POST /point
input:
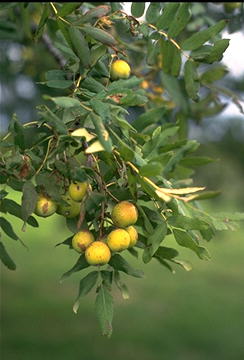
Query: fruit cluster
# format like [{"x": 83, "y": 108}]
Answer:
[
  {"x": 97, "y": 252},
  {"x": 125, "y": 236}
]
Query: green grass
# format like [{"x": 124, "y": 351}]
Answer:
[{"x": 195, "y": 315}]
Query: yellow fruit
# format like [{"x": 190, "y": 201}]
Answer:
[
  {"x": 124, "y": 214},
  {"x": 77, "y": 190},
  {"x": 97, "y": 253},
  {"x": 120, "y": 69},
  {"x": 158, "y": 89},
  {"x": 133, "y": 235},
  {"x": 144, "y": 84},
  {"x": 45, "y": 206},
  {"x": 118, "y": 240},
  {"x": 72, "y": 209},
  {"x": 82, "y": 240}
]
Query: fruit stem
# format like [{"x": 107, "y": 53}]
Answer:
[{"x": 46, "y": 156}]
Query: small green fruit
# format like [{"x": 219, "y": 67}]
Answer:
[{"x": 71, "y": 210}]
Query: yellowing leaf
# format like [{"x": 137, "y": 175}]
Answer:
[
  {"x": 83, "y": 132},
  {"x": 182, "y": 191},
  {"x": 95, "y": 147},
  {"x": 163, "y": 196},
  {"x": 166, "y": 194}
]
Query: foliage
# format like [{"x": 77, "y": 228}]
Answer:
[{"x": 85, "y": 134}]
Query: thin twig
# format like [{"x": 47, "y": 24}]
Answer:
[
  {"x": 164, "y": 34},
  {"x": 54, "y": 51}
]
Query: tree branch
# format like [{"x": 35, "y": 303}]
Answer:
[{"x": 54, "y": 51}]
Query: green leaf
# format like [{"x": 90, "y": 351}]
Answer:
[
  {"x": 119, "y": 85},
  {"x": 3, "y": 194},
  {"x": 187, "y": 223},
  {"x": 196, "y": 161},
  {"x": 202, "y": 53},
  {"x": 55, "y": 122},
  {"x": 217, "y": 51},
  {"x": 125, "y": 151},
  {"x": 154, "y": 241},
  {"x": 93, "y": 201},
  {"x": 191, "y": 80},
  {"x": 100, "y": 108},
  {"x": 99, "y": 35},
  {"x": 49, "y": 183},
  {"x": 153, "y": 12},
  {"x": 8, "y": 229},
  {"x": 133, "y": 252},
  {"x": 171, "y": 58},
  {"x": 167, "y": 253},
  {"x": 165, "y": 264},
  {"x": 7, "y": 5},
  {"x": 120, "y": 264},
  {"x": 137, "y": 9},
  {"x": 213, "y": 74},
  {"x": 152, "y": 52},
  {"x": 43, "y": 20},
  {"x": 58, "y": 84},
  {"x": 68, "y": 8},
  {"x": 19, "y": 137},
  {"x": 200, "y": 37},
  {"x": 92, "y": 85},
  {"x": 96, "y": 12},
  {"x": 64, "y": 101},
  {"x": 28, "y": 201},
  {"x": 79, "y": 45},
  {"x": 190, "y": 146},
  {"x": 185, "y": 240},
  {"x": 96, "y": 53},
  {"x": 132, "y": 183},
  {"x": 236, "y": 216},
  {"x": 172, "y": 85},
  {"x": 65, "y": 32},
  {"x": 79, "y": 265},
  {"x": 121, "y": 286},
  {"x": 133, "y": 98},
  {"x": 147, "y": 223},
  {"x": 167, "y": 16},
  {"x": 104, "y": 310},
  {"x": 101, "y": 132},
  {"x": 67, "y": 241},
  {"x": 180, "y": 20},
  {"x": 107, "y": 277},
  {"x": 149, "y": 117},
  {"x": 207, "y": 195},
  {"x": 55, "y": 75},
  {"x": 5, "y": 258},
  {"x": 13, "y": 208},
  {"x": 86, "y": 284},
  {"x": 124, "y": 124},
  {"x": 185, "y": 264},
  {"x": 151, "y": 169}
]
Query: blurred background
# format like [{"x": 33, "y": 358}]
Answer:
[{"x": 195, "y": 315}]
